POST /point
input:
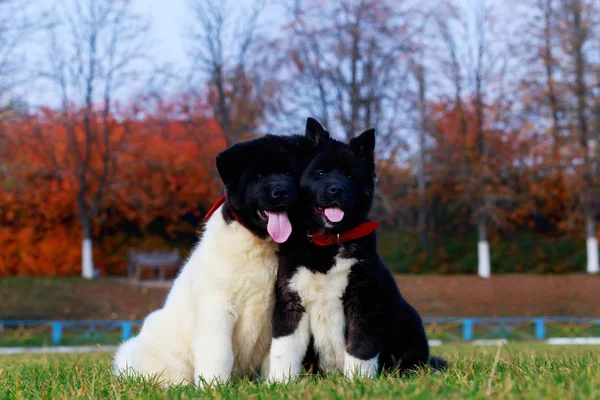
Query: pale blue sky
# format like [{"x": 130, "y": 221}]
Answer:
[
  {"x": 169, "y": 22},
  {"x": 169, "y": 38}
]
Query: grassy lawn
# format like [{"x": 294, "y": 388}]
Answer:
[
  {"x": 530, "y": 371},
  {"x": 43, "y": 339}
]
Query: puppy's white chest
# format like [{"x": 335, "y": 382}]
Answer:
[
  {"x": 321, "y": 296},
  {"x": 252, "y": 332}
]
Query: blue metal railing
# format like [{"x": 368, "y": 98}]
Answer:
[
  {"x": 447, "y": 329},
  {"x": 82, "y": 328},
  {"x": 523, "y": 328}
]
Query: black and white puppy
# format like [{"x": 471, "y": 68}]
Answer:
[
  {"x": 216, "y": 320},
  {"x": 338, "y": 306}
]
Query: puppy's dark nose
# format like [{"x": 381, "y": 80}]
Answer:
[
  {"x": 279, "y": 193},
  {"x": 336, "y": 189}
]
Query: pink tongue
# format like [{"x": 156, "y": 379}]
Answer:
[
  {"x": 334, "y": 214},
  {"x": 279, "y": 226}
]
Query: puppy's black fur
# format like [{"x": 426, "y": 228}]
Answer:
[
  {"x": 261, "y": 175},
  {"x": 379, "y": 321}
]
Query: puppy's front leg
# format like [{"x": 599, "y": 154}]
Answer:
[
  {"x": 213, "y": 352},
  {"x": 290, "y": 336},
  {"x": 363, "y": 344}
]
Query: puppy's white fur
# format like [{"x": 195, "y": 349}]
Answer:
[
  {"x": 357, "y": 368},
  {"x": 321, "y": 296},
  {"x": 287, "y": 353},
  {"x": 216, "y": 320}
]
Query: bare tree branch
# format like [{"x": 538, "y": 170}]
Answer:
[
  {"x": 96, "y": 48},
  {"x": 220, "y": 51}
]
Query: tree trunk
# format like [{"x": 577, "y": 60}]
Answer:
[
  {"x": 549, "y": 64},
  {"x": 579, "y": 38},
  {"x": 354, "y": 89},
  {"x": 222, "y": 108},
  {"x": 422, "y": 220},
  {"x": 87, "y": 260},
  {"x": 592, "y": 244},
  {"x": 484, "y": 269}
]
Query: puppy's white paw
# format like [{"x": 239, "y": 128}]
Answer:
[{"x": 357, "y": 368}]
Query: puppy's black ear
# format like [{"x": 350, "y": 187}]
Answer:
[
  {"x": 364, "y": 145},
  {"x": 231, "y": 163},
  {"x": 315, "y": 132}
]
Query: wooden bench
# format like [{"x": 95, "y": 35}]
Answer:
[{"x": 156, "y": 260}]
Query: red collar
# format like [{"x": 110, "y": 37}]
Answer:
[
  {"x": 325, "y": 239},
  {"x": 216, "y": 206}
]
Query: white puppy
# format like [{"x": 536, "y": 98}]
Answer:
[{"x": 216, "y": 320}]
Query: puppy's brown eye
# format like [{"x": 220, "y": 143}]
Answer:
[{"x": 321, "y": 173}]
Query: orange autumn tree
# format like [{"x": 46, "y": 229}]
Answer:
[
  {"x": 167, "y": 176},
  {"x": 504, "y": 173},
  {"x": 449, "y": 189},
  {"x": 38, "y": 201},
  {"x": 163, "y": 182}
]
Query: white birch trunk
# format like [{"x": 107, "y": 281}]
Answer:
[
  {"x": 483, "y": 259},
  {"x": 484, "y": 269},
  {"x": 592, "y": 245},
  {"x": 87, "y": 261}
]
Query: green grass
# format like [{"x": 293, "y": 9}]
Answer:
[
  {"x": 529, "y": 371},
  {"x": 42, "y": 339}
]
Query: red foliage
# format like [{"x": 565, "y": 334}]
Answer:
[
  {"x": 163, "y": 170},
  {"x": 518, "y": 178}
]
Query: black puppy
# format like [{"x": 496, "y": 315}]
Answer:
[
  {"x": 259, "y": 176},
  {"x": 337, "y": 305}
]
